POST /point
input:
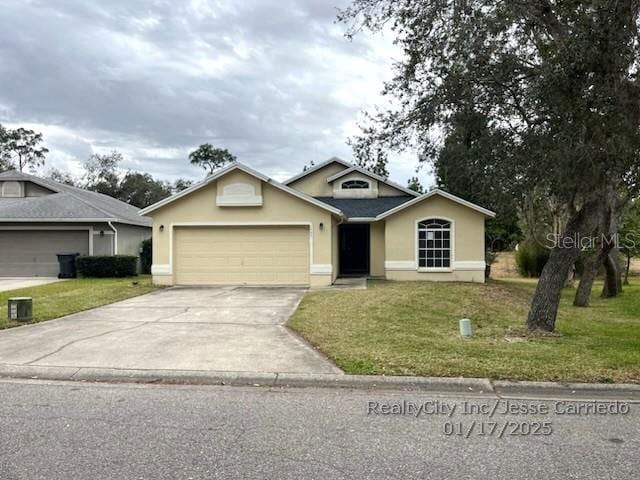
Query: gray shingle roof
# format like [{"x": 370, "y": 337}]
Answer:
[
  {"x": 67, "y": 203},
  {"x": 365, "y": 207}
]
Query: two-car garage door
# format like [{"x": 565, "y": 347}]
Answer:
[
  {"x": 32, "y": 253},
  {"x": 241, "y": 255}
]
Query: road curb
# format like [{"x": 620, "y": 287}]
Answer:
[
  {"x": 506, "y": 389},
  {"x": 434, "y": 384},
  {"x": 460, "y": 385}
]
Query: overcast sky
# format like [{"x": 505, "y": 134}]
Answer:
[{"x": 274, "y": 81}]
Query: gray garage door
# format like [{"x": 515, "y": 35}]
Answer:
[{"x": 32, "y": 253}]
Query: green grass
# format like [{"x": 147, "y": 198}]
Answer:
[
  {"x": 70, "y": 296},
  {"x": 411, "y": 328}
]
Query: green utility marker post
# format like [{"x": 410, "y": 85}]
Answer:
[{"x": 465, "y": 327}]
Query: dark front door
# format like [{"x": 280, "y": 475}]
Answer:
[{"x": 354, "y": 249}]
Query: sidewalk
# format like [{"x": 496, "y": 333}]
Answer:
[{"x": 462, "y": 386}]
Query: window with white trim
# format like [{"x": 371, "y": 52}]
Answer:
[
  {"x": 434, "y": 243},
  {"x": 350, "y": 184}
]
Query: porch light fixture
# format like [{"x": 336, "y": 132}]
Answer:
[
  {"x": 321, "y": 226},
  {"x": 161, "y": 228}
]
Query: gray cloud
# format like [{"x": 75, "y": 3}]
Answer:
[{"x": 274, "y": 81}]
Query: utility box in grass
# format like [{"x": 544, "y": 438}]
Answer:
[{"x": 20, "y": 309}]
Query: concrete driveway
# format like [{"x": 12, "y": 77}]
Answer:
[
  {"x": 220, "y": 329},
  {"x": 13, "y": 283}
]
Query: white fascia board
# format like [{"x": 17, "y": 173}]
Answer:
[
  {"x": 442, "y": 193},
  {"x": 74, "y": 220},
  {"x": 248, "y": 170},
  {"x": 360, "y": 219},
  {"x": 316, "y": 168},
  {"x": 342, "y": 173},
  {"x": 61, "y": 220},
  {"x": 369, "y": 174}
]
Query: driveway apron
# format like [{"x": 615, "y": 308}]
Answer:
[{"x": 239, "y": 329}]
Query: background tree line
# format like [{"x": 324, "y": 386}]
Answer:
[{"x": 22, "y": 149}]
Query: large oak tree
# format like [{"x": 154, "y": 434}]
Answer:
[
  {"x": 211, "y": 158},
  {"x": 558, "y": 80}
]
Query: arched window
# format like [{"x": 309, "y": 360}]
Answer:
[
  {"x": 349, "y": 184},
  {"x": 434, "y": 243}
]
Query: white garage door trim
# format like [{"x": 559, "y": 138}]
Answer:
[
  {"x": 44, "y": 228},
  {"x": 167, "y": 269}
]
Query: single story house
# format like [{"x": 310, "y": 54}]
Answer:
[
  {"x": 40, "y": 218},
  {"x": 335, "y": 219}
]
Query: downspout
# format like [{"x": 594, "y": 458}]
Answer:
[{"x": 115, "y": 237}]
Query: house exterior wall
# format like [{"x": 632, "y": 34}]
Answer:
[
  {"x": 33, "y": 190},
  {"x": 46, "y": 239},
  {"x": 468, "y": 242},
  {"x": 335, "y": 250},
  {"x": 385, "y": 190},
  {"x": 279, "y": 208},
  {"x": 130, "y": 238},
  {"x": 315, "y": 184},
  {"x": 103, "y": 240},
  {"x": 376, "y": 248}
]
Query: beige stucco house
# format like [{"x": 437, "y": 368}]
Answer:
[{"x": 335, "y": 219}]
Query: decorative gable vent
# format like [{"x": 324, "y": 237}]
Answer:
[
  {"x": 11, "y": 189},
  {"x": 239, "y": 195}
]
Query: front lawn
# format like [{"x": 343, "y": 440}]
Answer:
[
  {"x": 411, "y": 328},
  {"x": 70, "y": 296}
]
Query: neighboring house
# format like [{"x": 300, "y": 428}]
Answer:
[
  {"x": 40, "y": 218},
  {"x": 240, "y": 227}
]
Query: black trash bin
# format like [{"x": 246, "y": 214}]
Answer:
[{"x": 67, "y": 263}]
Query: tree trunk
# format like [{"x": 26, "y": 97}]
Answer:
[
  {"x": 607, "y": 232},
  {"x": 544, "y": 306},
  {"x": 626, "y": 271},
  {"x": 613, "y": 276},
  {"x": 591, "y": 266},
  {"x": 570, "y": 277}
]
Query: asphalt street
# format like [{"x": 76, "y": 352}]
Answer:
[{"x": 56, "y": 430}]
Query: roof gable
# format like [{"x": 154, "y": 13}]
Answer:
[
  {"x": 15, "y": 176},
  {"x": 317, "y": 167},
  {"x": 67, "y": 203},
  {"x": 349, "y": 168},
  {"x": 367, "y": 173},
  {"x": 442, "y": 193},
  {"x": 239, "y": 166}
]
